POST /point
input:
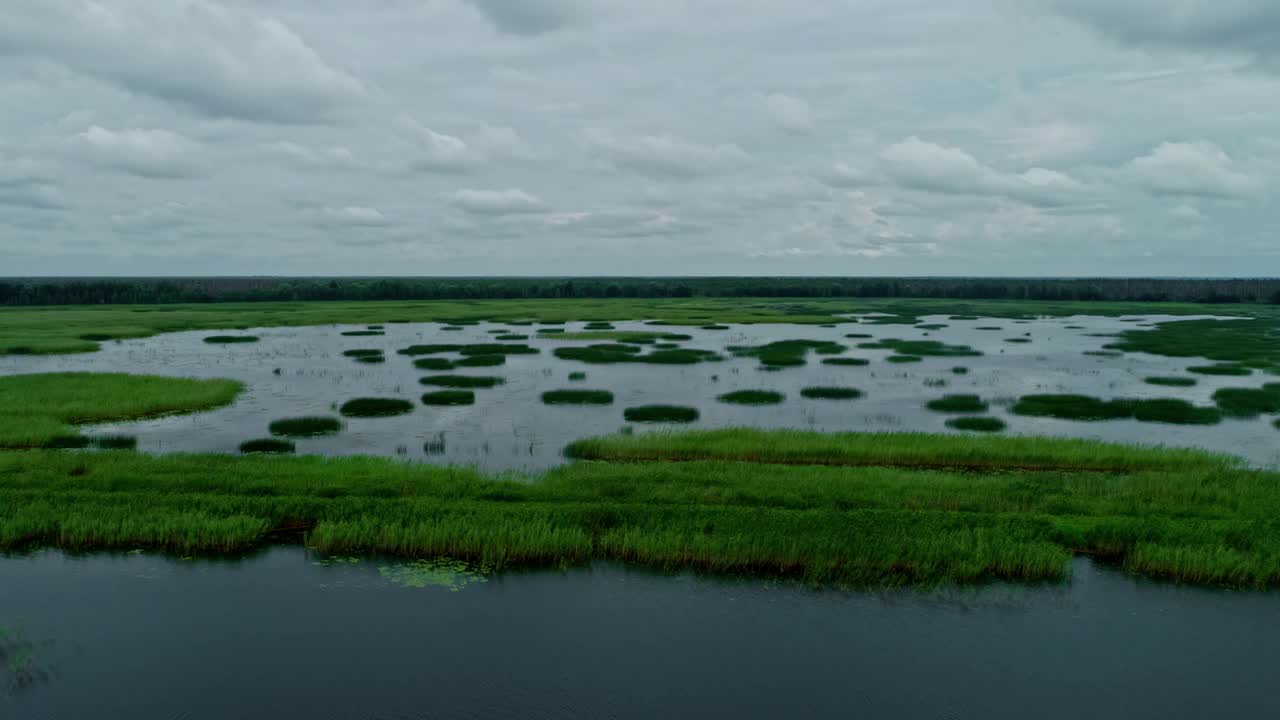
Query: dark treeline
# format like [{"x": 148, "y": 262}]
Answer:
[{"x": 98, "y": 291}]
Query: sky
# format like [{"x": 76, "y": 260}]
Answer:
[{"x": 616, "y": 137}]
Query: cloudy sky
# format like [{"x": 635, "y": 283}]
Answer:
[{"x": 667, "y": 137}]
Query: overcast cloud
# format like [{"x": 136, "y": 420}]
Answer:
[{"x": 434, "y": 137}]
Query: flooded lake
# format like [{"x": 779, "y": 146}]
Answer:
[
  {"x": 288, "y": 634},
  {"x": 302, "y": 371}
]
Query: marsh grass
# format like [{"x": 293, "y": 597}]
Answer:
[
  {"x": 977, "y": 424},
  {"x": 363, "y": 333},
  {"x": 362, "y": 352},
  {"x": 231, "y": 339},
  {"x": 449, "y": 397},
  {"x": 715, "y": 327},
  {"x": 577, "y": 397},
  {"x": 1248, "y": 402},
  {"x": 959, "y": 370},
  {"x": 921, "y": 348},
  {"x": 462, "y": 381},
  {"x": 958, "y": 404},
  {"x": 310, "y": 426},
  {"x": 823, "y": 392},
  {"x": 752, "y": 397},
  {"x": 507, "y": 337},
  {"x": 375, "y": 407},
  {"x": 661, "y": 414},
  {"x": 903, "y": 359},
  {"x": 1224, "y": 369},
  {"x": 497, "y": 349},
  {"x": 39, "y": 407},
  {"x": 1170, "y": 381},
  {"x": 846, "y": 361},
  {"x": 787, "y": 353},
  {"x": 577, "y": 376},
  {"x": 371, "y": 359},
  {"x": 605, "y": 354},
  {"x": 1018, "y": 340},
  {"x": 267, "y": 445},
  {"x": 1085, "y": 408}
]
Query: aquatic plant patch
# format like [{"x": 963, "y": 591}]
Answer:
[
  {"x": 661, "y": 414},
  {"x": 752, "y": 397},
  {"x": 976, "y": 424},
  {"x": 577, "y": 397},
  {"x": 375, "y": 407},
  {"x": 449, "y": 397},
  {"x": 310, "y": 426},
  {"x": 462, "y": 381}
]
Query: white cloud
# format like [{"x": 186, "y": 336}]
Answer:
[
  {"x": 921, "y": 165},
  {"x": 1198, "y": 168},
  {"x": 353, "y": 216},
  {"x": 313, "y": 158},
  {"x": 219, "y": 60},
  {"x": 496, "y": 202},
  {"x": 151, "y": 153},
  {"x": 666, "y": 156}
]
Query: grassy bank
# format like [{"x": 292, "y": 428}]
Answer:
[{"x": 876, "y": 526}]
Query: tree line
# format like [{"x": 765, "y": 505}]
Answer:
[{"x": 109, "y": 291}]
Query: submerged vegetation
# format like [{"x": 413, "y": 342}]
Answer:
[
  {"x": 375, "y": 407},
  {"x": 752, "y": 397},
  {"x": 661, "y": 414},
  {"x": 577, "y": 397}
]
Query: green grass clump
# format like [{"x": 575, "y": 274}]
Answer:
[
  {"x": 1248, "y": 341},
  {"x": 37, "y": 408},
  {"x": 230, "y": 339},
  {"x": 481, "y": 361},
  {"x": 846, "y": 361},
  {"x": 362, "y": 352},
  {"x": 507, "y": 337},
  {"x": 497, "y": 349},
  {"x": 914, "y": 450},
  {"x": 637, "y": 337},
  {"x": 598, "y": 326},
  {"x": 363, "y": 333},
  {"x": 931, "y": 326},
  {"x": 577, "y": 397},
  {"x": 830, "y": 393},
  {"x": 859, "y": 336},
  {"x": 661, "y": 414},
  {"x": 1172, "y": 381},
  {"x": 989, "y": 328},
  {"x": 715, "y": 327},
  {"x": 114, "y": 442},
  {"x": 959, "y": 370},
  {"x": 902, "y": 359},
  {"x": 310, "y": 426},
  {"x": 957, "y": 404},
  {"x": 267, "y": 445},
  {"x": 1226, "y": 369},
  {"x": 449, "y": 397},
  {"x": 375, "y": 407},
  {"x": 1082, "y": 407},
  {"x": 462, "y": 381},
  {"x": 577, "y": 376},
  {"x": 433, "y": 363},
  {"x": 752, "y": 397},
  {"x": 436, "y": 349},
  {"x": 922, "y": 348},
  {"x": 787, "y": 353},
  {"x": 977, "y": 423},
  {"x": 1103, "y": 353},
  {"x": 371, "y": 359},
  {"x": 1249, "y": 402}
]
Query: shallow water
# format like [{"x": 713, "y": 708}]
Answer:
[
  {"x": 283, "y": 635},
  {"x": 510, "y": 428}
]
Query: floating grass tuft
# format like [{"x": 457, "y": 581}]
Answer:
[
  {"x": 1018, "y": 340},
  {"x": 506, "y": 337},
  {"x": 310, "y": 426},
  {"x": 618, "y": 353},
  {"x": 462, "y": 381},
  {"x": 1227, "y": 369},
  {"x": 433, "y": 363},
  {"x": 449, "y": 397},
  {"x": 978, "y": 423},
  {"x": 661, "y": 414},
  {"x": 375, "y": 407},
  {"x": 822, "y": 392},
  {"x": 752, "y": 397},
  {"x": 715, "y": 327},
  {"x": 230, "y": 339},
  {"x": 577, "y": 397},
  {"x": 959, "y": 370},
  {"x": 577, "y": 376},
  {"x": 901, "y": 359},
  {"x": 787, "y": 353},
  {"x": 1083, "y": 407},
  {"x": 922, "y": 348},
  {"x": 371, "y": 359},
  {"x": 957, "y": 404},
  {"x": 363, "y": 333},
  {"x": 498, "y": 349},
  {"x": 1171, "y": 381},
  {"x": 362, "y": 352},
  {"x": 846, "y": 361},
  {"x": 268, "y": 445}
]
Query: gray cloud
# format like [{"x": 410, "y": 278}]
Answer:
[
  {"x": 666, "y": 156},
  {"x": 150, "y": 153},
  {"x": 496, "y": 202},
  {"x": 530, "y": 17}
]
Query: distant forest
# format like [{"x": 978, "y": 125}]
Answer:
[{"x": 100, "y": 291}]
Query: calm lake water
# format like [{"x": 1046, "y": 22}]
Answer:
[
  {"x": 286, "y": 635},
  {"x": 510, "y": 428}
]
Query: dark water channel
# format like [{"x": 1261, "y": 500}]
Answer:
[{"x": 285, "y": 634}]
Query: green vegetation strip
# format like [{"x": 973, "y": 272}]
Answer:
[
  {"x": 462, "y": 381},
  {"x": 830, "y": 393},
  {"x": 1171, "y": 381},
  {"x": 230, "y": 339},
  {"x": 787, "y": 353},
  {"x": 846, "y": 362},
  {"x": 375, "y": 407},
  {"x": 1083, "y": 407},
  {"x": 917, "y": 450},
  {"x": 752, "y": 397},
  {"x": 1249, "y": 402},
  {"x": 605, "y": 354},
  {"x": 661, "y": 414},
  {"x": 976, "y": 424},
  {"x": 921, "y": 348},
  {"x": 36, "y": 409},
  {"x": 1225, "y": 369},
  {"x": 577, "y": 397}
]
